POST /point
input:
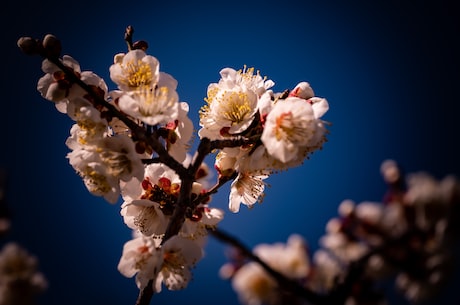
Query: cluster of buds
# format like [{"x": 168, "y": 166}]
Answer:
[
  {"x": 133, "y": 142},
  {"x": 408, "y": 237}
]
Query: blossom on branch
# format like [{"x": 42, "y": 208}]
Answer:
[
  {"x": 406, "y": 239},
  {"x": 169, "y": 264},
  {"x": 149, "y": 205},
  {"x": 104, "y": 163},
  {"x": 293, "y": 128},
  {"x": 143, "y": 95},
  {"x": 134, "y": 142},
  {"x": 286, "y": 129},
  {"x": 56, "y": 86},
  {"x": 231, "y": 103}
]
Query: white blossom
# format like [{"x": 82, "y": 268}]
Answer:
[
  {"x": 104, "y": 163},
  {"x": 140, "y": 257},
  {"x": 290, "y": 258},
  {"x": 180, "y": 255},
  {"x": 255, "y": 286},
  {"x": 134, "y": 70},
  {"x": 20, "y": 279},
  {"x": 145, "y": 93},
  {"x": 180, "y": 134},
  {"x": 145, "y": 216},
  {"x": 290, "y": 128},
  {"x": 247, "y": 189},
  {"x": 231, "y": 103},
  {"x": 56, "y": 86},
  {"x": 157, "y": 105}
]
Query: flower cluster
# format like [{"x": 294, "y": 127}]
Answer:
[
  {"x": 133, "y": 142},
  {"x": 20, "y": 280},
  {"x": 286, "y": 128},
  {"x": 407, "y": 237},
  {"x": 147, "y": 210}
]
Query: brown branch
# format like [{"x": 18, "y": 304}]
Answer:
[
  {"x": 145, "y": 295},
  {"x": 240, "y": 141},
  {"x": 129, "y": 37},
  {"x": 222, "y": 180},
  {"x": 138, "y": 131}
]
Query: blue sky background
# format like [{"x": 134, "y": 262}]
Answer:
[{"x": 388, "y": 69}]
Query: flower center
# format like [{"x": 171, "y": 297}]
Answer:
[
  {"x": 118, "y": 162},
  {"x": 164, "y": 192},
  {"x": 235, "y": 106},
  {"x": 291, "y": 129},
  {"x": 173, "y": 260},
  {"x": 95, "y": 181},
  {"x": 152, "y": 101},
  {"x": 137, "y": 73}
]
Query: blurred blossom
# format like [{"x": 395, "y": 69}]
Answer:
[
  {"x": 408, "y": 239},
  {"x": 255, "y": 286},
  {"x": 20, "y": 280}
]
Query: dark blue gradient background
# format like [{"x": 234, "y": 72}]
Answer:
[{"x": 389, "y": 70}]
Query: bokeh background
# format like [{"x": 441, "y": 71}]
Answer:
[{"x": 389, "y": 70}]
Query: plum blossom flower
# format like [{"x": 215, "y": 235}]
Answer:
[
  {"x": 180, "y": 255},
  {"x": 149, "y": 205},
  {"x": 247, "y": 188},
  {"x": 248, "y": 185},
  {"x": 89, "y": 127},
  {"x": 145, "y": 216},
  {"x": 196, "y": 227},
  {"x": 290, "y": 258},
  {"x": 104, "y": 163},
  {"x": 302, "y": 90},
  {"x": 145, "y": 93},
  {"x": 225, "y": 163},
  {"x": 134, "y": 69},
  {"x": 169, "y": 264},
  {"x": 151, "y": 105},
  {"x": 326, "y": 271},
  {"x": 245, "y": 78},
  {"x": 94, "y": 174},
  {"x": 20, "y": 279},
  {"x": 180, "y": 134},
  {"x": 255, "y": 286},
  {"x": 158, "y": 184},
  {"x": 293, "y": 127},
  {"x": 140, "y": 257},
  {"x": 56, "y": 86},
  {"x": 231, "y": 103}
]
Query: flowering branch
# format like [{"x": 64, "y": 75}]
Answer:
[{"x": 133, "y": 142}]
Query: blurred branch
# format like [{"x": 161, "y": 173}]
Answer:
[{"x": 5, "y": 213}]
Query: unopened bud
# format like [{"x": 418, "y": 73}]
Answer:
[
  {"x": 302, "y": 90},
  {"x": 346, "y": 208},
  {"x": 225, "y": 165},
  {"x": 390, "y": 171},
  {"x": 28, "y": 45},
  {"x": 141, "y": 44},
  {"x": 52, "y": 46}
]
